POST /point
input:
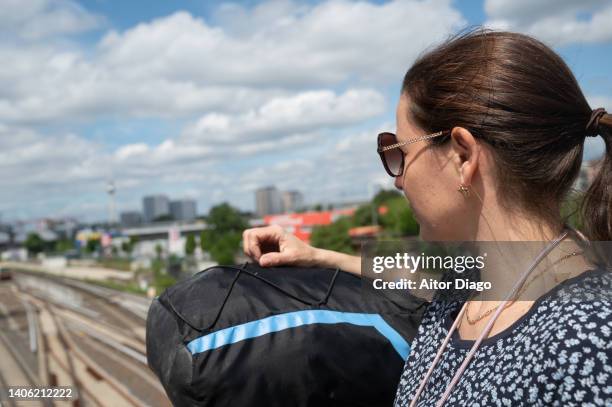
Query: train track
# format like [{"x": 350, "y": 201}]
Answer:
[
  {"x": 70, "y": 335},
  {"x": 14, "y": 371},
  {"x": 18, "y": 367}
]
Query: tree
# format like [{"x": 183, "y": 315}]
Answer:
[
  {"x": 385, "y": 195},
  {"x": 224, "y": 218},
  {"x": 92, "y": 245},
  {"x": 63, "y": 245},
  {"x": 190, "y": 245},
  {"x": 174, "y": 266},
  {"x": 363, "y": 215},
  {"x": 334, "y": 236},
  {"x": 224, "y": 249},
  {"x": 34, "y": 244},
  {"x": 161, "y": 279},
  {"x": 222, "y": 238},
  {"x": 399, "y": 220},
  {"x": 206, "y": 240}
]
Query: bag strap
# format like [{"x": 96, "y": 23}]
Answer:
[{"x": 243, "y": 270}]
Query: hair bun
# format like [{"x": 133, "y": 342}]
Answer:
[{"x": 592, "y": 127}]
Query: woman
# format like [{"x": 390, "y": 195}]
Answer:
[{"x": 490, "y": 136}]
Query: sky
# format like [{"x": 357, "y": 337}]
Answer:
[{"x": 210, "y": 100}]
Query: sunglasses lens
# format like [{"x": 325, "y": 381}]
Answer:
[{"x": 394, "y": 157}]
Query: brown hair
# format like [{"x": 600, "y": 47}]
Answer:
[{"x": 516, "y": 94}]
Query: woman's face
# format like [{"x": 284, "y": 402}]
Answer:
[{"x": 430, "y": 181}]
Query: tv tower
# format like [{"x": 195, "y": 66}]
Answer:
[{"x": 110, "y": 190}]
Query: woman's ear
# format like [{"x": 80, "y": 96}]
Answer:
[{"x": 465, "y": 150}]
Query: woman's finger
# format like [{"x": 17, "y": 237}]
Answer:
[
  {"x": 253, "y": 239},
  {"x": 254, "y": 248},
  {"x": 246, "y": 243},
  {"x": 274, "y": 259},
  {"x": 265, "y": 239}
]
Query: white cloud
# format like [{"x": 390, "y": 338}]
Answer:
[
  {"x": 166, "y": 153},
  {"x": 290, "y": 45},
  {"x": 30, "y": 159},
  {"x": 130, "y": 150},
  {"x": 41, "y": 84},
  {"x": 558, "y": 22},
  {"x": 39, "y": 19},
  {"x": 268, "y": 80},
  {"x": 287, "y": 115},
  {"x": 182, "y": 65},
  {"x": 344, "y": 169},
  {"x": 278, "y": 124}
]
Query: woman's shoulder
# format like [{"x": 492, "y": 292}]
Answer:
[
  {"x": 570, "y": 336},
  {"x": 576, "y": 313},
  {"x": 587, "y": 293},
  {"x": 589, "y": 285},
  {"x": 588, "y": 290}
]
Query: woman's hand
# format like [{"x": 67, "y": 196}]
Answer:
[{"x": 272, "y": 246}]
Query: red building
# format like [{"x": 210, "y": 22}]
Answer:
[{"x": 301, "y": 224}]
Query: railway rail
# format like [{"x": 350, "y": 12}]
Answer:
[{"x": 65, "y": 333}]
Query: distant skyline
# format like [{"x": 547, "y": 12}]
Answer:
[{"x": 212, "y": 100}]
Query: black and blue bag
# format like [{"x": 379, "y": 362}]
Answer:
[{"x": 281, "y": 336}]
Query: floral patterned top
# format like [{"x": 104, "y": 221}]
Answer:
[{"x": 558, "y": 354}]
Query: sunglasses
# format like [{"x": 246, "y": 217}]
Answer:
[{"x": 392, "y": 156}]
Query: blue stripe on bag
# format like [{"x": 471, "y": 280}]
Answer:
[{"x": 295, "y": 319}]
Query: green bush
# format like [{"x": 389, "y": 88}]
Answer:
[
  {"x": 115, "y": 263},
  {"x": 335, "y": 236},
  {"x": 190, "y": 245},
  {"x": 34, "y": 243},
  {"x": 163, "y": 281},
  {"x": 399, "y": 220},
  {"x": 224, "y": 233}
]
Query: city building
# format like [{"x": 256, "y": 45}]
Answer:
[
  {"x": 65, "y": 228},
  {"x": 184, "y": 209},
  {"x": 155, "y": 206},
  {"x": 49, "y": 230},
  {"x": 292, "y": 201},
  {"x": 268, "y": 201},
  {"x": 130, "y": 218},
  {"x": 6, "y": 237}
]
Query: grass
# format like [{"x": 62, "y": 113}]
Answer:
[{"x": 116, "y": 263}]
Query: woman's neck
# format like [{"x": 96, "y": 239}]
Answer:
[
  {"x": 503, "y": 227},
  {"x": 512, "y": 245}
]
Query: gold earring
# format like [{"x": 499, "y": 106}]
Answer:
[{"x": 464, "y": 189}]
